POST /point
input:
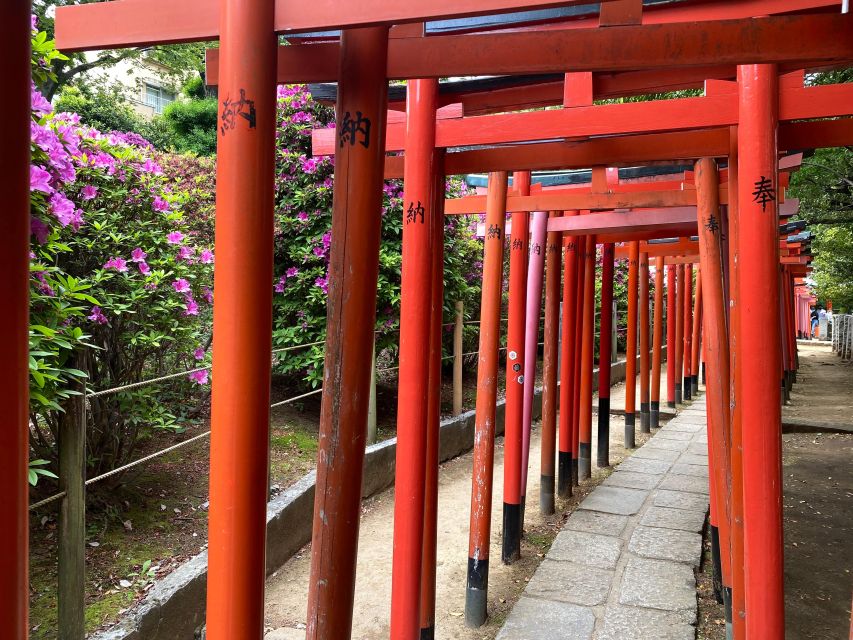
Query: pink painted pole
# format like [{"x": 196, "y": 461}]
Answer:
[{"x": 535, "y": 268}]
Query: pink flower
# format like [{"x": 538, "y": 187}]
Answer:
[
  {"x": 88, "y": 192},
  {"x": 279, "y": 286},
  {"x": 118, "y": 264},
  {"x": 302, "y": 216},
  {"x": 152, "y": 167},
  {"x": 176, "y": 237},
  {"x": 207, "y": 294},
  {"x": 159, "y": 204},
  {"x": 206, "y": 256},
  {"x": 98, "y": 316},
  {"x": 138, "y": 255},
  {"x": 191, "y": 307},
  {"x": 39, "y": 179},
  {"x": 76, "y": 219},
  {"x": 186, "y": 253},
  {"x": 292, "y": 272},
  {"x": 323, "y": 283},
  {"x": 181, "y": 285},
  {"x": 199, "y": 353},
  {"x": 199, "y": 377},
  {"x": 39, "y": 229},
  {"x": 40, "y": 105},
  {"x": 62, "y": 208},
  {"x": 144, "y": 269}
]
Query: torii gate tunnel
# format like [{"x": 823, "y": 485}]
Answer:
[{"x": 755, "y": 114}]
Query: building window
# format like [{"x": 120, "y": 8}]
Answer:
[{"x": 157, "y": 98}]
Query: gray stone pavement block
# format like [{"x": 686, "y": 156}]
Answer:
[
  {"x": 619, "y": 500},
  {"x": 682, "y": 426},
  {"x": 685, "y": 483},
  {"x": 669, "y": 445},
  {"x": 656, "y": 454},
  {"x": 591, "y": 549},
  {"x": 660, "y": 584},
  {"x": 700, "y": 438},
  {"x": 676, "y": 435},
  {"x": 632, "y": 480},
  {"x": 633, "y": 623},
  {"x": 680, "y": 500},
  {"x": 595, "y": 522},
  {"x": 570, "y": 582},
  {"x": 682, "y": 469},
  {"x": 533, "y": 619},
  {"x": 669, "y": 518},
  {"x": 644, "y": 465},
  {"x": 697, "y": 448},
  {"x": 692, "y": 419},
  {"x": 666, "y": 544},
  {"x": 693, "y": 458}
]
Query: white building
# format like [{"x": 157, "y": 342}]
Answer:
[{"x": 150, "y": 86}]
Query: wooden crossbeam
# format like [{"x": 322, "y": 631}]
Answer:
[
  {"x": 571, "y": 200},
  {"x": 810, "y": 39},
  {"x": 668, "y": 222},
  {"x": 825, "y": 101},
  {"x": 130, "y": 23},
  {"x": 682, "y": 247}
]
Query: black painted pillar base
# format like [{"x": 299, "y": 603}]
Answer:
[
  {"x": 428, "y": 633},
  {"x": 521, "y": 519},
  {"x": 546, "y": 495},
  {"x": 574, "y": 471},
  {"x": 686, "y": 388},
  {"x": 717, "y": 579},
  {"x": 654, "y": 415},
  {"x": 703, "y": 373},
  {"x": 585, "y": 461},
  {"x": 645, "y": 418},
  {"x": 669, "y": 404},
  {"x": 630, "y": 441},
  {"x": 564, "y": 474},
  {"x": 694, "y": 384},
  {"x": 476, "y": 593},
  {"x": 727, "y": 610},
  {"x": 603, "y": 453},
  {"x": 511, "y": 550},
  {"x": 678, "y": 399}
]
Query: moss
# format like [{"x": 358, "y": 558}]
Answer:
[
  {"x": 300, "y": 440},
  {"x": 107, "y": 608},
  {"x": 541, "y": 541}
]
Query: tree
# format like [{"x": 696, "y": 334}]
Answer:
[
  {"x": 192, "y": 122},
  {"x": 64, "y": 70}
]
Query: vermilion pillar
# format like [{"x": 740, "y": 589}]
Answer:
[
  {"x": 427, "y": 617},
  {"x": 567, "y": 368},
  {"x": 550, "y": 390},
  {"x": 686, "y": 388},
  {"x": 416, "y": 302},
  {"x": 645, "y": 418},
  {"x": 242, "y": 321},
  {"x": 697, "y": 333},
  {"x": 759, "y": 350},
  {"x": 671, "y": 313},
  {"x": 578, "y": 337},
  {"x": 605, "y": 347},
  {"x": 679, "y": 330},
  {"x": 535, "y": 268},
  {"x": 476, "y": 594},
  {"x": 717, "y": 362},
  {"x": 737, "y": 541},
  {"x": 515, "y": 383},
  {"x": 631, "y": 347},
  {"x": 351, "y": 315},
  {"x": 14, "y": 321},
  {"x": 657, "y": 345},
  {"x": 587, "y": 347}
]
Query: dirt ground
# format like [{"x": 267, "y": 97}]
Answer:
[{"x": 823, "y": 392}]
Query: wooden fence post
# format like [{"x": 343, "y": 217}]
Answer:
[
  {"x": 457, "y": 358},
  {"x": 371, "y": 406},
  {"x": 614, "y": 334},
  {"x": 72, "y": 517}
]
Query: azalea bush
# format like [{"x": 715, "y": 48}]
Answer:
[
  {"x": 303, "y": 240},
  {"x": 120, "y": 283}
]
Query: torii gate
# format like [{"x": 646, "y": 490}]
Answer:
[{"x": 247, "y": 79}]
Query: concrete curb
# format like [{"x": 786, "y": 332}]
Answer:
[{"x": 174, "y": 608}]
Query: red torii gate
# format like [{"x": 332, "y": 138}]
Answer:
[{"x": 240, "y": 396}]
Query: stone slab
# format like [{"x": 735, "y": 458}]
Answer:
[
  {"x": 666, "y": 544},
  {"x": 670, "y": 434},
  {"x": 668, "y": 518},
  {"x": 659, "y": 584},
  {"x": 596, "y": 522},
  {"x": 682, "y": 469},
  {"x": 697, "y": 449},
  {"x": 533, "y": 619},
  {"x": 657, "y": 454},
  {"x": 618, "y": 500},
  {"x": 680, "y": 500},
  {"x": 685, "y": 483},
  {"x": 669, "y": 445},
  {"x": 644, "y": 465},
  {"x": 570, "y": 582},
  {"x": 633, "y": 623},
  {"x": 632, "y": 480},
  {"x": 683, "y": 426},
  {"x": 591, "y": 549},
  {"x": 692, "y": 458}
]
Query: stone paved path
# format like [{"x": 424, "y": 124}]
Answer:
[{"x": 622, "y": 567}]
